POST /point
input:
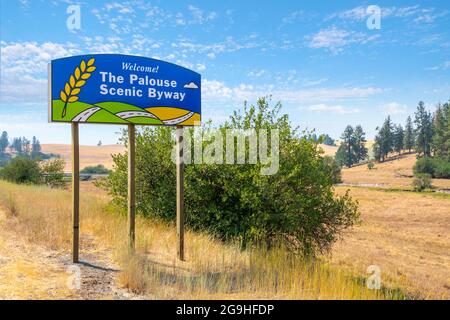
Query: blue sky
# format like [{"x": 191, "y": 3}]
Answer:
[{"x": 318, "y": 58}]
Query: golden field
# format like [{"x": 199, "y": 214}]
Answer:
[
  {"x": 406, "y": 234},
  {"x": 89, "y": 155},
  {"x": 213, "y": 270},
  {"x": 397, "y": 172}
]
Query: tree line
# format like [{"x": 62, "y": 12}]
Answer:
[
  {"x": 428, "y": 135},
  {"x": 21, "y": 145}
]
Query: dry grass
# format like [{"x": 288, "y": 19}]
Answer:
[
  {"x": 396, "y": 173},
  {"x": 212, "y": 271},
  {"x": 406, "y": 234},
  {"x": 89, "y": 155}
]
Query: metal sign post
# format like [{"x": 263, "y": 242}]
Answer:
[
  {"x": 180, "y": 194},
  {"x": 131, "y": 186},
  {"x": 75, "y": 192}
]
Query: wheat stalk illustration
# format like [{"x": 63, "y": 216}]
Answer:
[{"x": 78, "y": 79}]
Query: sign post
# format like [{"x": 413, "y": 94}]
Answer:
[
  {"x": 75, "y": 192},
  {"x": 124, "y": 90},
  {"x": 180, "y": 193},
  {"x": 131, "y": 186}
]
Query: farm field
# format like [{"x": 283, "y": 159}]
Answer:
[
  {"x": 89, "y": 155},
  {"x": 397, "y": 172}
]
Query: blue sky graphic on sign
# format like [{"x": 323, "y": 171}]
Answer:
[{"x": 121, "y": 89}]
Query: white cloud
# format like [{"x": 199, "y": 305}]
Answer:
[
  {"x": 214, "y": 90},
  {"x": 256, "y": 73},
  {"x": 392, "y": 108},
  {"x": 334, "y": 39},
  {"x": 443, "y": 66},
  {"x": 360, "y": 13},
  {"x": 332, "y": 109},
  {"x": 190, "y": 85},
  {"x": 23, "y": 68}
]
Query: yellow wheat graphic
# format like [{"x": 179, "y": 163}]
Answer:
[{"x": 78, "y": 79}]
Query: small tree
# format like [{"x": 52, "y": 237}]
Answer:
[
  {"x": 52, "y": 173},
  {"x": 422, "y": 181}
]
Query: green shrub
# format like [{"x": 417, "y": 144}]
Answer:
[
  {"x": 295, "y": 205},
  {"x": 436, "y": 167},
  {"x": 98, "y": 169},
  {"x": 442, "y": 169},
  {"x": 370, "y": 165},
  {"x": 424, "y": 165},
  {"x": 333, "y": 168},
  {"x": 52, "y": 173},
  {"x": 21, "y": 170},
  {"x": 422, "y": 181}
]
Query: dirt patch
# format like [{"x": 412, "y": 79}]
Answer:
[{"x": 30, "y": 271}]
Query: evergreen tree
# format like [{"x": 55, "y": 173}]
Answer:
[
  {"x": 17, "y": 145},
  {"x": 35, "y": 147},
  {"x": 441, "y": 127},
  {"x": 399, "y": 137},
  {"x": 424, "y": 130},
  {"x": 347, "y": 147},
  {"x": 384, "y": 140},
  {"x": 4, "y": 142},
  {"x": 359, "y": 140},
  {"x": 408, "y": 141},
  {"x": 26, "y": 146}
]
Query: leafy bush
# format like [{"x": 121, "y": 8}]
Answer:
[
  {"x": 333, "y": 168},
  {"x": 295, "y": 205},
  {"x": 441, "y": 168},
  {"x": 370, "y": 165},
  {"x": 424, "y": 165},
  {"x": 422, "y": 181},
  {"x": 52, "y": 173},
  {"x": 436, "y": 167},
  {"x": 21, "y": 170},
  {"x": 98, "y": 169}
]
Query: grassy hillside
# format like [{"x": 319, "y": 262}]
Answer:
[
  {"x": 213, "y": 269},
  {"x": 89, "y": 155}
]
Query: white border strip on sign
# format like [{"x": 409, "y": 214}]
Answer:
[{"x": 49, "y": 93}]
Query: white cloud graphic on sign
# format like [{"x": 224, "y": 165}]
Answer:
[{"x": 190, "y": 85}]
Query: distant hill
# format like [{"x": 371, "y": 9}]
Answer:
[{"x": 89, "y": 155}]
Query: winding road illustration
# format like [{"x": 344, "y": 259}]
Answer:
[
  {"x": 84, "y": 116},
  {"x": 131, "y": 114},
  {"x": 179, "y": 119}
]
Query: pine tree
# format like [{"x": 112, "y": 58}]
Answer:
[
  {"x": 408, "y": 142},
  {"x": 359, "y": 140},
  {"x": 424, "y": 130},
  {"x": 440, "y": 137},
  {"x": 345, "y": 154},
  {"x": 398, "y": 138},
  {"x": 4, "y": 142},
  {"x": 384, "y": 140},
  {"x": 35, "y": 147},
  {"x": 17, "y": 145}
]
